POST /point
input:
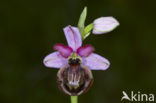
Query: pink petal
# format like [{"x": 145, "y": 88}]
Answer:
[
  {"x": 85, "y": 50},
  {"x": 54, "y": 60},
  {"x": 96, "y": 62},
  {"x": 65, "y": 51},
  {"x": 73, "y": 37}
]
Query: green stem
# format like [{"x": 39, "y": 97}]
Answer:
[{"x": 74, "y": 99}]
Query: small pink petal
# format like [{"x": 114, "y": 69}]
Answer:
[
  {"x": 54, "y": 60},
  {"x": 73, "y": 37},
  {"x": 65, "y": 51},
  {"x": 85, "y": 50},
  {"x": 96, "y": 62}
]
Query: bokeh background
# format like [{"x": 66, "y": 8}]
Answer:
[{"x": 30, "y": 28}]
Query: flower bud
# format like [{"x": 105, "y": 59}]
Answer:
[{"x": 104, "y": 25}]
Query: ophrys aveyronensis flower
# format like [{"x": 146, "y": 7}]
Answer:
[{"x": 75, "y": 62}]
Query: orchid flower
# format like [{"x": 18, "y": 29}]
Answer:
[
  {"x": 59, "y": 58},
  {"x": 75, "y": 61}
]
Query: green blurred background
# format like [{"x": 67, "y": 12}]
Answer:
[{"x": 30, "y": 28}]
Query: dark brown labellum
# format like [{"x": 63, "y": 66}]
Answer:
[{"x": 74, "y": 79}]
